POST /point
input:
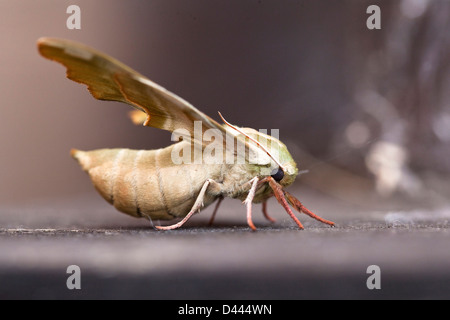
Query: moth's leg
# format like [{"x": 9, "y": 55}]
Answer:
[
  {"x": 197, "y": 206},
  {"x": 264, "y": 210},
  {"x": 150, "y": 219},
  {"x": 278, "y": 192},
  {"x": 215, "y": 210},
  {"x": 300, "y": 208},
  {"x": 248, "y": 202}
]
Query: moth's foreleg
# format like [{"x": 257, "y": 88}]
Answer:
[
  {"x": 248, "y": 202},
  {"x": 278, "y": 192},
  {"x": 301, "y": 208},
  {"x": 196, "y": 207},
  {"x": 255, "y": 184}
]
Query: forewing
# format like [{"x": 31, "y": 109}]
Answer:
[{"x": 109, "y": 79}]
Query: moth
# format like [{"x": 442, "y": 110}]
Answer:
[{"x": 149, "y": 183}]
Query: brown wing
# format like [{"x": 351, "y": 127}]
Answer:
[{"x": 109, "y": 79}]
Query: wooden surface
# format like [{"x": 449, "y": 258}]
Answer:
[{"x": 123, "y": 257}]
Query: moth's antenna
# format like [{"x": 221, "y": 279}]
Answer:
[
  {"x": 255, "y": 141},
  {"x": 303, "y": 172}
]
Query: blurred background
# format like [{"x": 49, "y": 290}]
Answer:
[{"x": 366, "y": 113}]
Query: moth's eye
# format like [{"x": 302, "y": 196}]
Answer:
[{"x": 278, "y": 176}]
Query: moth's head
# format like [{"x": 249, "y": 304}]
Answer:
[
  {"x": 286, "y": 174},
  {"x": 279, "y": 163},
  {"x": 266, "y": 154}
]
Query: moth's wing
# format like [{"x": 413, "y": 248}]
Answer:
[
  {"x": 137, "y": 117},
  {"x": 109, "y": 79}
]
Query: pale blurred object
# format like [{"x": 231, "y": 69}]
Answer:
[
  {"x": 441, "y": 127},
  {"x": 413, "y": 8},
  {"x": 401, "y": 93},
  {"x": 388, "y": 162},
  {"x": 357, "y": 134}
]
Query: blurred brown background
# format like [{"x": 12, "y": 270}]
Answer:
[{"x": 360, "y": 109}]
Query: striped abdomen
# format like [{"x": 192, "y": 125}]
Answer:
[{"x": 146, "y": 182}]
